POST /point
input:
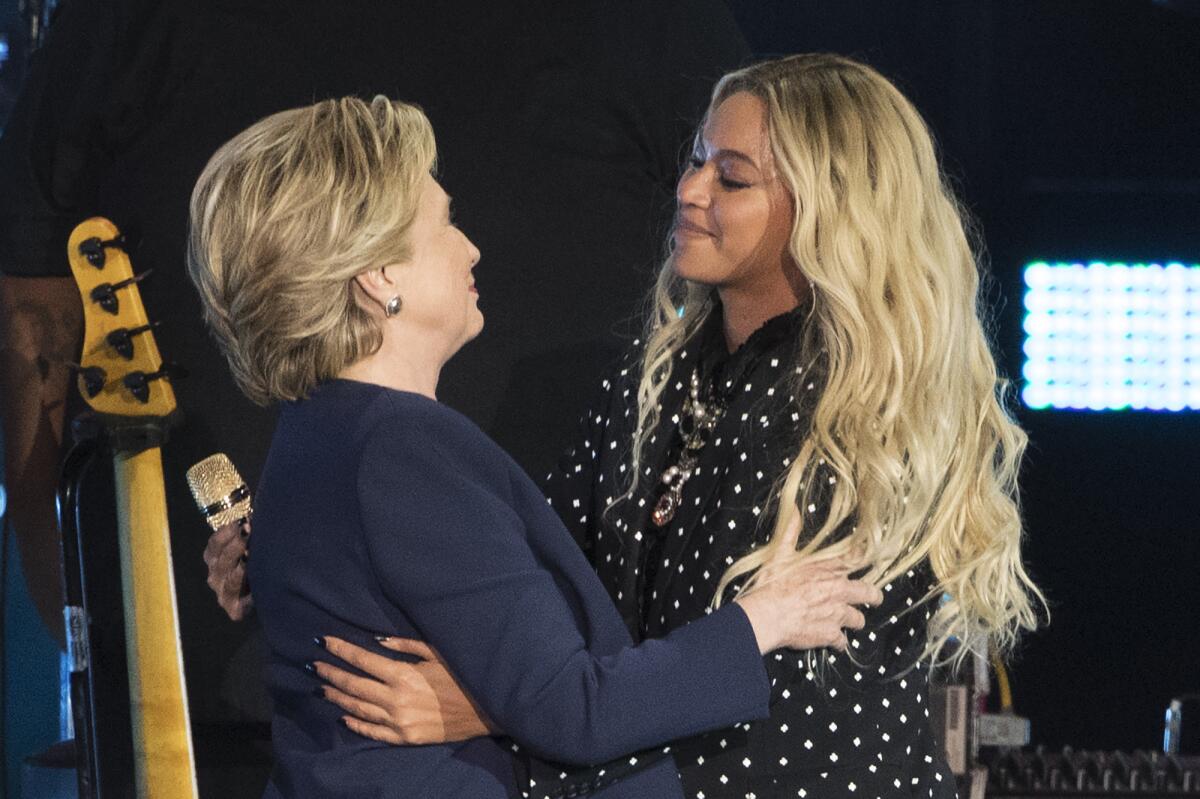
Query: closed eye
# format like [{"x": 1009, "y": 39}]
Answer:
[{"x": 697, "y": 162}]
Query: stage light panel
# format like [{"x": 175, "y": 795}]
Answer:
[{"x": 1112, "y": 336}]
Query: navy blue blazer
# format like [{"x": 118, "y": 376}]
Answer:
[{"x": 381, "y": 511}]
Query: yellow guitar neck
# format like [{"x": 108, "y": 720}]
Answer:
[{"x": 162, "y": 739}]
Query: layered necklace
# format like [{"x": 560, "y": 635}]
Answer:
[{"x": 697, "y": 421}]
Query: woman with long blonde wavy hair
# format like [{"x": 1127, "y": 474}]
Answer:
[
  {"x": 905, "y": 455},
  {"x": 910, "y": 423},
  {"x": 815, "y": 382}
]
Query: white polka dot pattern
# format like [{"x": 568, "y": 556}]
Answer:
[{"x": 842, "y": 725}]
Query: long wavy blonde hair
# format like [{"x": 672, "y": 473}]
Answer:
[{"x": 910, "y": 439}]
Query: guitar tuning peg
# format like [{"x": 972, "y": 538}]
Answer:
[
  {"x": 138, "y": 383},
  {"x": 121, "y": 339},
  {"x": 105, "y": 294},
  {"x": 94, "y": 377},
  {"x": 93, "y": 249}
]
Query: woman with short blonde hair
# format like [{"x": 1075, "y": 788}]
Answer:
[{"x": 284, "y": 216}]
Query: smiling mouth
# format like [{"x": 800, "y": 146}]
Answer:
[{"x": 686, "y": 228}]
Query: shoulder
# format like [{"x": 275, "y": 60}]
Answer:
[
  {"x": 417, "y": 419},
  {"x": 410, "y": 433},
  {"x": 623, "y": 375},
  {"x": 373, "y": 417}
]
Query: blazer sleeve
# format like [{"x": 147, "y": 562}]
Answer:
[{"x": 450, "y": 551}]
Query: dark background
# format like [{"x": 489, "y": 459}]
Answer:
[{"x": 1072, "y": 130}]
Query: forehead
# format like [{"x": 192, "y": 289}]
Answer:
[
  {"x": 738, "y": 123},
  {"x": 433, "y": 196}
]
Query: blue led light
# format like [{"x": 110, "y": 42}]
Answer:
[{"x": 1112, "y": 336}]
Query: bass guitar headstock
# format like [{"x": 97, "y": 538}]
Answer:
[{"x": 120, "y": 370}]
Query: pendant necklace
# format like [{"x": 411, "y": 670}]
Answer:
[{"x": 698, "y": 419}]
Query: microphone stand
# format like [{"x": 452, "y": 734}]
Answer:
[{"x": 77, "y": 618}]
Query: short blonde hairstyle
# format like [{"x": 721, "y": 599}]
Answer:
[{"x": 284, "y": 216}]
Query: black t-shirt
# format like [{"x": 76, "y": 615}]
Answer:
[{"x": 559, "y": 128}]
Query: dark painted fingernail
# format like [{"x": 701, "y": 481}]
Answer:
[
  {"x": 319, "y": 692},
  {"x": 245, "y": 557},
  {"x": 310, "y": 667},
  {"x": 319, "y": 640},
  {"x": 383, "y": 638},
  {"x": 342, "y": 721}
]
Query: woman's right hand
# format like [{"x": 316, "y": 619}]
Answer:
[
  {"x": 400, "y": 702},
  {"x": 810, "y": 606}
]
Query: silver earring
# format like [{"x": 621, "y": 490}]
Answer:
[{"x": 393, "y": 306}]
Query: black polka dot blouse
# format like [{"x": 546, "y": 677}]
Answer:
[{"x": 841, "y": 725}]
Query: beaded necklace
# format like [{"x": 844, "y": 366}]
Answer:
[{"x": 697, "y": 421}]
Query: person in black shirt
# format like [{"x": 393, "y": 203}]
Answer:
[{"x": 815, "y": 361}]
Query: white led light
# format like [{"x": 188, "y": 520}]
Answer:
[{"x": 1109, "y": 336}]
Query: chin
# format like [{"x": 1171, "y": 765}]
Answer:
[
  {"x": 696, "y": 269},
  {"x": 475, "y": 326}
]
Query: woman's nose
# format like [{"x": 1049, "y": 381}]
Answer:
[{"x": 692, "y": 188}]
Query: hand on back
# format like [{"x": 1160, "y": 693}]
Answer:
[
  {"x": 810, "y": 605},
  {"x": 400, "y": 702}
]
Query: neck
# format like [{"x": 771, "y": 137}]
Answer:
[
  {"x": 743, "y": 312},
  {"x": 409, "y": 368}
]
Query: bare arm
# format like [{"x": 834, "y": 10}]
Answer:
[{"x": 40, "y": 328}]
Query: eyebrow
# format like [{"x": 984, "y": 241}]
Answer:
[{"x": 736, "y": 155}]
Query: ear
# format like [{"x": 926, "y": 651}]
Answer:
[{"x": 377, "y": 284}]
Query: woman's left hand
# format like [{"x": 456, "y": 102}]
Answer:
[{"x": 400, "y": 702}]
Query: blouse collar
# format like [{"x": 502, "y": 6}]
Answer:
[{"x": 727, "y": 369}]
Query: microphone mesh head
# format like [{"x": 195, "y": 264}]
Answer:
[{"x": 219, "y": 490}]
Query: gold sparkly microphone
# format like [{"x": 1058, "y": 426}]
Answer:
[{"x": 219, "y": 491}]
